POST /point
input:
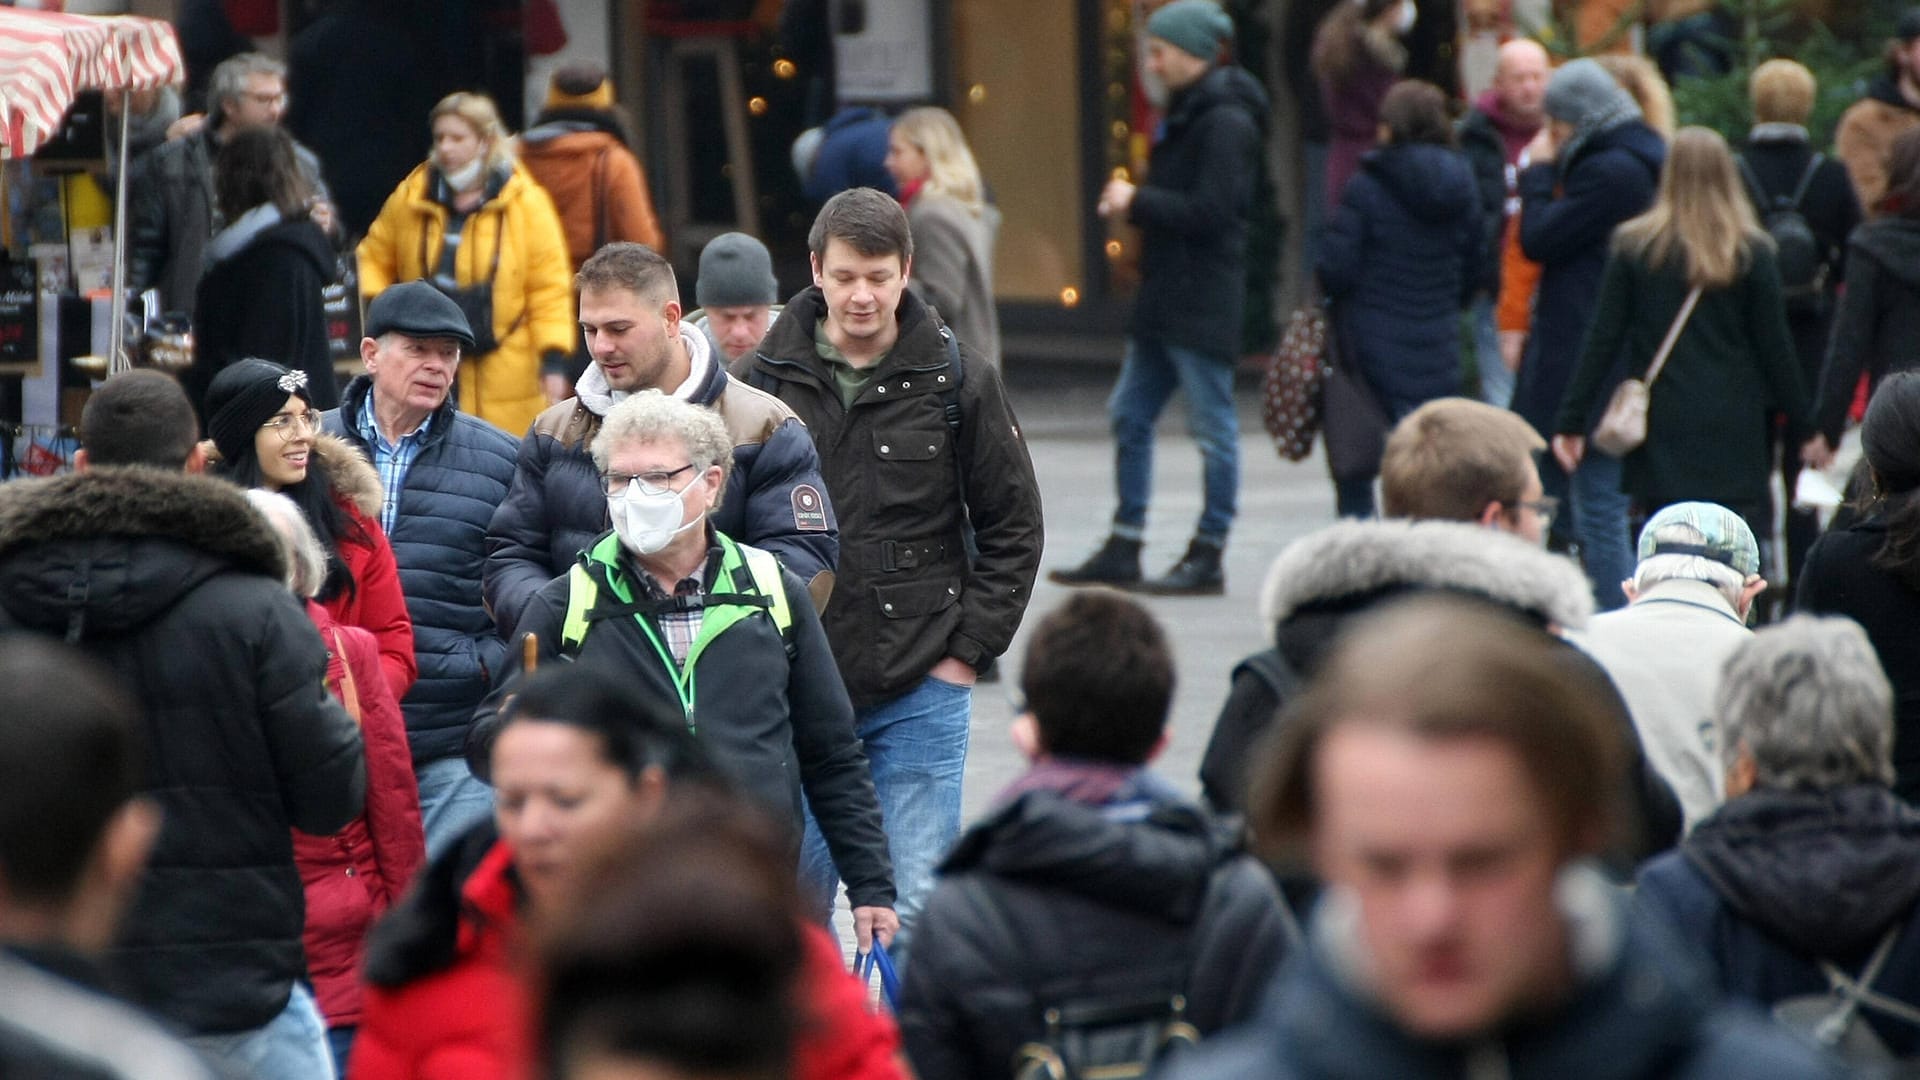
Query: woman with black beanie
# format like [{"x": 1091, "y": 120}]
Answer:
[{"x": 263, "y": 423}]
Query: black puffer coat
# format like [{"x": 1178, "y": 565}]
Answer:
[
  {"x": 260, "y": 297},
  {"x": 1051, "y": 900},
  {"x": 439, "y": 541},
  {"x": 174, "y": 582},
  {"x": 1877, "y": 326},
  {"x": 1398, "y": 262},
  {"x": 1192, "y": 212},
  {"x": 1777, "y": 881}
]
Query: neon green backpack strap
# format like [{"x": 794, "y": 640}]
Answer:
[
  {"x": 766, "y": 581},
  {"x": 582, "y": 593}
]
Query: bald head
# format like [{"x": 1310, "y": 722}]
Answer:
[{"x": 1520, "y": 79}]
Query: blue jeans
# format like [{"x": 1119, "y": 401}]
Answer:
[
  {"x": 917, "y": 749},
  {"x": 292, "y": 1046},
  {"x": 451, "y": 801},
  {"x": 1599, "y": 521},
  {"x": 340, "y": 1041},
  {"x": 1496, "y": 382},
  {"x": 1149, "y": 375}
]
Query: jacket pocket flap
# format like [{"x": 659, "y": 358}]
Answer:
[
  {"x": 917, "y": 599},
  {"x": 904, "y": 445}
]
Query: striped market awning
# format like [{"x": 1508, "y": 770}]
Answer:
[{"x": 46, "y": 58}]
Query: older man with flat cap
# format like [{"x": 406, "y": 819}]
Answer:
[{"x": 443, "y": 472}]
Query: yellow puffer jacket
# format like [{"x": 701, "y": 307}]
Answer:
[{"x": 532, "y": 291}]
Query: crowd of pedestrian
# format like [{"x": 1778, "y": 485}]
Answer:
[{"x": 528, "y": 706}]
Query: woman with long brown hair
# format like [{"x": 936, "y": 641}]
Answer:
[
  {"x": 1358, "y": 54},
  {"x": 1731, "y": 363}
]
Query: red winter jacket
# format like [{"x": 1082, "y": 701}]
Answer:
[
  {"x": 353, "y": 876},
  {"x": 374, "y": 603},
  {"x": 471, "y": 1020},
  {"x": 464, "y": 1021}
]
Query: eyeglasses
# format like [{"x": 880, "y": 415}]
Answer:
[
  {"x": 658, "y": 482},
  {"x": 267, "y": 101},
  {"x": 292, "y": 425},
  {"x": 1545, "y": 507}
]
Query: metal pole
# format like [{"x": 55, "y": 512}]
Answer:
[{"x": 117, "y": 360}]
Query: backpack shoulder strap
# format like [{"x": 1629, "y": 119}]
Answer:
[
  {"x": 763, "y": 577},
  {"x": 1806, "y": 179},
  {"x": 1759, "y": 190},
  {"x": 1272, "y": 668}
]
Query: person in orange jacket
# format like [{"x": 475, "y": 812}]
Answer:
[{"x": 581, "y": 151}]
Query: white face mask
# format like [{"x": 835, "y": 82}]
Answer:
[
  {"x": 466, "y": 177},
  {"x": 1408, "y": 15},
  {"x": 648, "y": 523}
]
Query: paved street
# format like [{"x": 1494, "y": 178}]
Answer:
[{"x": 1063, "y": 410}]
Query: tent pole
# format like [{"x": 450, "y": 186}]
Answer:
[{"x": 117, "y": 360}]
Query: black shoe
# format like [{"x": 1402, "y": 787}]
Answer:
[
  {"x": 1196, "y": 574},
  {"x": 1116, "y": 563}
]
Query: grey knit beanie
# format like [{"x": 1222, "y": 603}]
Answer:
[
  {"x": 1582, "y": 92},
  {"x": 735, "y": 271},
  {"x": 1195, "y": 27}
]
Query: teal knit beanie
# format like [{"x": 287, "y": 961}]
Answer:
[{"x": 1196, "y": 27}]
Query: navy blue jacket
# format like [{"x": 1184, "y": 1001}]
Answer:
[
  {"x": 439, "y": 539},
  {"x": 853, "y": 154},
  {"x": 1192, "y": 213},
  {"x": 1643, "y": 1014},
  {"x": 1398, "y": 260},
  {"x": 775, "y": 499},
  {"x": 1568, "y": 212},
  {"x": 1777, "y": 881}
]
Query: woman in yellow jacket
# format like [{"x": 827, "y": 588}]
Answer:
[{"x": 476, "y": 225}]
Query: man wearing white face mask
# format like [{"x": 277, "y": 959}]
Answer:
[{"x": 714, "y": 631}]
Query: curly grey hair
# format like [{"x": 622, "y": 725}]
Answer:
[
  {"x": 651, "y": 416},
  {"x": 306, "y": 559},
  {"x": 1808, "y": 699}
]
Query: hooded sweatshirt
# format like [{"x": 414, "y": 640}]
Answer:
[{"x": 1878, "y": 321}]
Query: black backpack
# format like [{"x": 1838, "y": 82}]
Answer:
[
  {"x": 1802, "y": 261},
  {"x": 1111, "y": 1037}
]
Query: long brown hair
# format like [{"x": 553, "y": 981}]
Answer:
[
  {"x": 1902, "y": 198},
  {"x": 1340, "y": 37},
  {"x": 1701, "y": 215}
]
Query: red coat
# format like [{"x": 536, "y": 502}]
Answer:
[
  {"x": 353, "y": 876},
  {"x": 472, "y": 1020},
  {"x": 375, "y": 603},
  {"x": 468, "y": 1021}
]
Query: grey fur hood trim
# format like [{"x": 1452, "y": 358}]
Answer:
[
  {"x": 1356, "y": 558},
  {"x": 201, "y": 512}
]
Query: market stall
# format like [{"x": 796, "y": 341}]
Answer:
[{"x": 47, "y": 60}]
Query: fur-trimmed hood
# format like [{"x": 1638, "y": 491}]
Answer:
[
  {"x": 1351, "y": 564},
  {"x": 112, "y": 547},
  {"x": 355, "y": 481}
]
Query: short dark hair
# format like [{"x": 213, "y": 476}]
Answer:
[
  {"x": 632, "y": 731},
  {"x": 1453, "y": 667},
  {"x": 870, "y": 222},
  {"x": 256, "y": 166},
  {"x": 73, "y": 759},
  {"x": 1416, "y": 112},
  {"x": 1098, "y": 678},
  {"x": 139, "y": 418},
  {"x": 685, "y": 949},
  {"x": 624, "y": 264}
]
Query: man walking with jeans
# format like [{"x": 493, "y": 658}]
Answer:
[
  {"x": 1186, "y": 321},
  {"x": 918, "y": 445}
]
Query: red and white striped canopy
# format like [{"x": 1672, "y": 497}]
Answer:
[{"x": 46, "y": 58}]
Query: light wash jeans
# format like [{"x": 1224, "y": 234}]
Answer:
[
  {"x": 1149, "y": 375},
  {"x": 1496, "y": 382},
  {"x": 1598, "y": 522},
  {"x": 916, "y": 745},
  {"x": 291, "y": 1046},
  {"x": 452, "y": 801}
]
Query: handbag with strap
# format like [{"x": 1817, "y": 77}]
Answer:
[
  {"x": 1623, "y": 427},
  {"x": 1291, "y": 402}
]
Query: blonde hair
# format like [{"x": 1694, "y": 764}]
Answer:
[
  {"x": 1639, "y": 77},
  {"x": 1782, "y": 92},
  {"x": 480, "y": 114},
  {"x": 951, "y": 170},
  {"x": 1449, "y": 458},
  {"x": 1701, "y": 214}
]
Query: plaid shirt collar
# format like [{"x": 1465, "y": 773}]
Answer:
[{"x": 391, "y": 460}]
